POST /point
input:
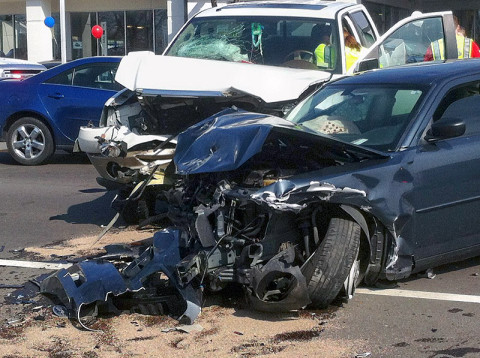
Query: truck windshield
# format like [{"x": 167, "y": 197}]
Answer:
[{"x": 298, "y": 43}]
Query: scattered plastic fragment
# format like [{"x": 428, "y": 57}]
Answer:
[
  {"x": 187, "y": 328},
  {"x": 363, "y": 355},
  {"x": 427, "y": 274},
  {"x": 60, "y": 311}
]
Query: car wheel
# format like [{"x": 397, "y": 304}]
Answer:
[
  {"x": 331, "y": 264},
  {"x": 29, "y": 141}
]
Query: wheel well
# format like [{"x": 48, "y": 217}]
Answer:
[
  {"x": 16, "y": 116},
  {"x": 369, "y": 225}
]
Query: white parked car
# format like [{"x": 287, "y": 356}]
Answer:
[{"x": 18, "y": 69}]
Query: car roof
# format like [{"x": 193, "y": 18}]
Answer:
[
  {"x": 284, "y": 8},
  {"x": 65, "y": 66},
  {"x": 420, "y": 74},
  {"x": 8, "y": 63}
]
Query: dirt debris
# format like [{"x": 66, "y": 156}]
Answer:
[{"x": 134, "y": 335}]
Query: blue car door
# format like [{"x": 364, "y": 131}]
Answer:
[
  {"x": 76, "y": 96},
  {"x": 446, "y": 197}
]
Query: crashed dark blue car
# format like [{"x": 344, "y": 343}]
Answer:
[{"x": 373, "y": 177}]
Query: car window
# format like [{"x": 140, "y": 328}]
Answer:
[
  {"x": 99, "y": 75},
  {"x": 261, "y": 40},
  {"x": 364, "y": 28},
  {"x": 466, "y": 109},
  {"x": 373, "y": 116},
  {"x": 417, "y": 41},
  {"x": 462, "y": 102},
  {"x": 64, "y": 78},
  {"x": 455, "y": 94},
  {"x": 96, "y": 75}
]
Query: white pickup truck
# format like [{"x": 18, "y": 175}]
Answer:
[{"x": 258, "y": 56}]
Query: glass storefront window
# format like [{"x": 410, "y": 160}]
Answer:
[
  {"x": 83, "y": 44},
  {"x": 139, "y": 30},
  {"x": 13, "y": 36},
  {"x": 20, "y": 49},
  {"x": 6, "y": 34},
  {"x": 124, "y": 31},
  {"x": 112, "y": 42},
  {"x": 161, "y": 31}
]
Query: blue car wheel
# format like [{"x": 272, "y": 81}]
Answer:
[{"x": 29, "y": 141}]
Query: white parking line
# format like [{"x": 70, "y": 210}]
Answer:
[
  {"x": 419, "y": 294},
  {"x": 34, "y": 264}
]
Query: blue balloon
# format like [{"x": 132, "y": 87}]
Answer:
[{"x": 49, "y": 21}]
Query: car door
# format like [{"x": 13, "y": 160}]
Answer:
[
  {"x": 446, "y": 177},
  {"x": 76, "y": 96},
  {"x": 409, "y": 40},
  {"x": 358, "y": 23}
]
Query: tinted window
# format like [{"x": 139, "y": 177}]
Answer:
[
  {"x": 462, "y": 102},
  {"x": 364, "y": 29},
  {"x": 99, "y": 75},
  {"x": 64, "y": 78}
]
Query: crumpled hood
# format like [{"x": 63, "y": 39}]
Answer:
[
  {"x": 148, "y": 73},
  {"x": 225, "y": 141}
]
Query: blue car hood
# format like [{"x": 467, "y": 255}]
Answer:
[{"x": 225, "y": 141}]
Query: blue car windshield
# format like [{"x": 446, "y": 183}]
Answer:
[
  {"x": 371, "y": 116},
  {"x": 291, "y": 42}
]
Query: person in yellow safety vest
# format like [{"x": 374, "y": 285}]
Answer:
[
  {"x": 323, "y": 53},
  {"x": 353, "y": 49},
  {"x": 466, "y": 47}
]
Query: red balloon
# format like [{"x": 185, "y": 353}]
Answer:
[{"x": 97, "y": 31}]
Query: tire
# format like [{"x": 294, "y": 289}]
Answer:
[
  {"x": 331, "y": 263},
  {"x": 29, "y": 141}
]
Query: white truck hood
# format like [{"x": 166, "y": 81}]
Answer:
[{"x": 148, "y": 73}]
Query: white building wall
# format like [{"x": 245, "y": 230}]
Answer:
[{"x": 39, "y": 36}]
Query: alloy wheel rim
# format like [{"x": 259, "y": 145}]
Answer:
[{"x": 28, "y": 141}]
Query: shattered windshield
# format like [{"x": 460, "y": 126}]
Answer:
[
  {"x": 370, "y": 116},
  {"x": 299, "y": 43}
]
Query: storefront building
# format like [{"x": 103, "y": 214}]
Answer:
[
  {"x": 148, "y": 25},
  {"x": 139, "y": 25}
]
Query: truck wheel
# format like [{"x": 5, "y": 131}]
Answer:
[
  {"x": 29, "y": 141},
  {"x": 332, "y": 262}
]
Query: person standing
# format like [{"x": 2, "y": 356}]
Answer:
[{"x": 466, "y": 47}]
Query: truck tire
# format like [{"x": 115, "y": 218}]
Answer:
[
  {"x": 29, "y": 141},
  {"x": 331, "y": 263}
]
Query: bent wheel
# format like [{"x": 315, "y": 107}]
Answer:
[
  {"x": 332, "y": 262},
  {"x": 29, "y": 141}
]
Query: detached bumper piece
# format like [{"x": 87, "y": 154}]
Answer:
[{"x": 149, "y": 284}]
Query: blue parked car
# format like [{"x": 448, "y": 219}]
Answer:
[{"x": 44, "y": 112}]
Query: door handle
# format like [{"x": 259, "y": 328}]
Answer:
[{"x": 56, "y": 95}]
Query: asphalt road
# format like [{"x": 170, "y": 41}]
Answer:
[
  {"x": 421, "y": 317},
  {"x": 52, "y": 202}
]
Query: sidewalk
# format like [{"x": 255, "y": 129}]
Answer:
[{"x": 3, "y": 146}]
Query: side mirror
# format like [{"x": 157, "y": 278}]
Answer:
[
  {"x": 446, "y": 128},
  {"x": 367, "y": 64}
]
